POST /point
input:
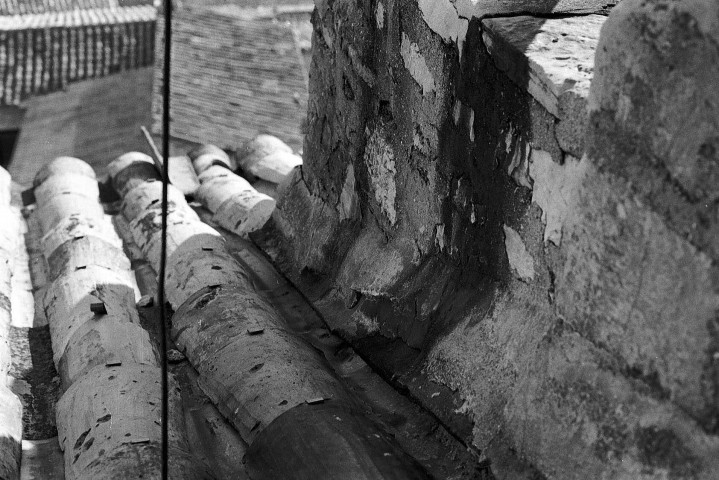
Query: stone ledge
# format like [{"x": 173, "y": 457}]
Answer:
[
  {"x": 553, "y": 59},
  {"x": 483, "y": 8}
]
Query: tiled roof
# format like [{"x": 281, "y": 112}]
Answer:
[
  {"x": 24, "y": 7},
  {"x": 233, "y": 76},
  {"x": 77, "y": 18},
  {"x": 42, "y": 52}
]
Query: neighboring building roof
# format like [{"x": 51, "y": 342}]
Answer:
[
  {"x": 78, "y": 18},
  {"x": 234, "y": 74},
  {"x": 25, "y": 7},
  {"x": 46, "y": 44}
]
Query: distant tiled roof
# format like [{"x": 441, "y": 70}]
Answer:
[
  {"x": 77, "y": 18},
  {"x": 42, "y": 52},
  {"x": 233, "y": 76},
  {"x": 24, "y": 7}
]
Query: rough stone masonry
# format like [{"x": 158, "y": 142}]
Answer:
[{"x": 523, "y": 196}]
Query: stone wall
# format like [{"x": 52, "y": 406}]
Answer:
[{"x": 531, "y": 257}]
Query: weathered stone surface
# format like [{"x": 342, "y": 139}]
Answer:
[
  {"x": 553, "y": 59},
  {"x": 633, "y": 286},
  {"x": 449, "y": 19},
  {"x": 554, "y": 190},
  {"x": 344, "y": 92},
  {"x": 300, "y": 215},
  {"x": 520, "y": 261},
  {"x": 600, "y": 360},
  {"x": 573, "y": 414},
  {"x": 548, "y": 57},
  {"x": 654, "y": 111},
  {"x": 467, "y": 8},
  {"x": 380, "y": 159}
]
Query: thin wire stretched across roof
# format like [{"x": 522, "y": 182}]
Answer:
[{"x": 233, "y": 77}]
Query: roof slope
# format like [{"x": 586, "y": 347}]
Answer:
[
  {"x": 233, "y": 76},
  {"x": 43, "y": 52},
  {"x": 24, "y": 7}
]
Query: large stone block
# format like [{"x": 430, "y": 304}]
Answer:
[
  {"x": 572, "y": 414},
  {"x": 654, "y": 106},
  {"x": 640, "y": 291}
]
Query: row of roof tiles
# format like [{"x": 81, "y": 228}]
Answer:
[
  {"x": 76, "y": 18},
  {"x": 25, "y": 7},
  {"x": 43, "y": 60}
]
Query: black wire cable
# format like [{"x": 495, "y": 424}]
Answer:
[{"x": 163, "y": 247}]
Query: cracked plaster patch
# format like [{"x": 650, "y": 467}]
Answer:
[
  {"x": 369, "y": 324},
  {"x": 520, "y": 261},
  {"x": 439, "y": 236},
  {"x": 518, "y": 168},
  {"x": 348, "y": 206},
  {"x": 379, "y": 13},
  {"x": 554, "y": 189},
  {"x": 442, "y": 17},
  {"x": 379, "y": 158},
  {"x": 417, "y": 66}
]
